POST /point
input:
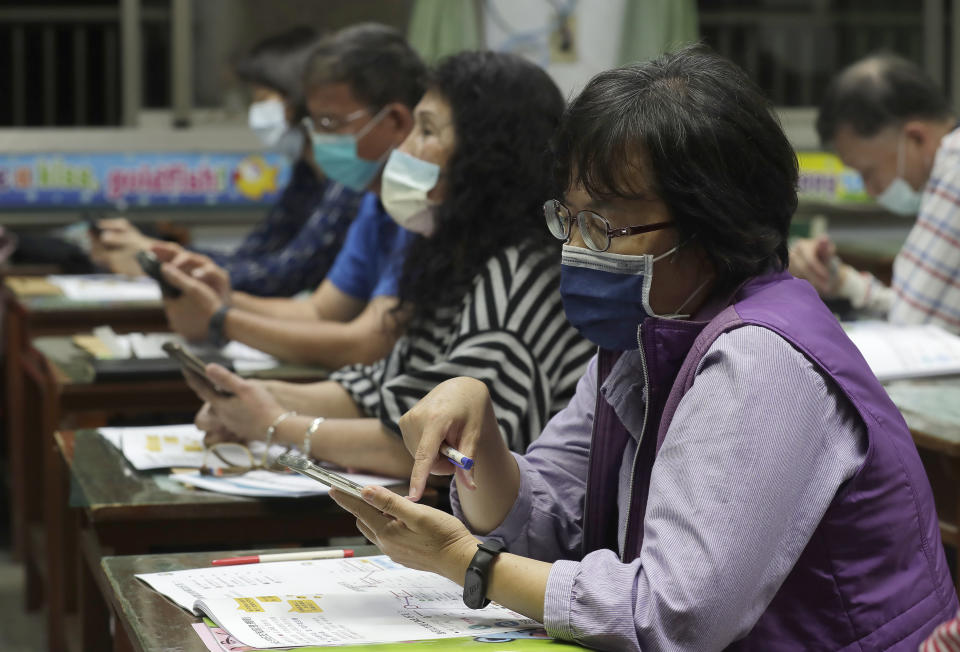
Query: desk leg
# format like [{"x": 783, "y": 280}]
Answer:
[
  {"x": 60, "y": 544},
  {"x": 121, "y": 642},
  {"x": 94, "y": 614},
  {"x": 15, "y": 399}
]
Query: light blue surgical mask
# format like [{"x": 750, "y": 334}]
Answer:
[
  {"x": 607, "y": 296},
  {"x": 336, "y": 154},
  {"x": 268, "y": 120},
  {"x": 899, "y": 197},
  {"x": 403, "y": 190}
]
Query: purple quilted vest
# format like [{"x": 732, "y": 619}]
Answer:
[{"x": 873, "y": 576}]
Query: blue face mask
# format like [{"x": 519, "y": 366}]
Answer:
[
  {"x": 336, "y": 154},
  {"x": 607, "y": 296}
]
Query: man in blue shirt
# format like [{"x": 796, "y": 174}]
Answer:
[{"x": 361, "y": 86}]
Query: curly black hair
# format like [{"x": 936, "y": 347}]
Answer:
[{"x": 505, "y": 110}]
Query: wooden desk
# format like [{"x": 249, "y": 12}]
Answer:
[
  {"x": 935, "y": 425},
  {"x": 56, "y": 388},
  {"x": 26, "y": 317},
  {"x": 118, "y": 510},
  {"x": 150, "y": 622}
]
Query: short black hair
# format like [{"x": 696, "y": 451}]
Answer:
[
  {"x": 277, "y": 63},
  {"x": 504, "y": 111},
  {"x": 716, "y": 153},
  {"x": 879, "y": 91},
  {"x": 374, "y": 60}
]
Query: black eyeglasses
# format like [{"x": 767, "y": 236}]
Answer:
[{"x": 594, "y": 229}]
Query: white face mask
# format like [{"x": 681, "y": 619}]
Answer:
[
  {"x": 268, "y": 120},
  {"x": 403, "y": 190},
  {"x": 899, "y": 197}
]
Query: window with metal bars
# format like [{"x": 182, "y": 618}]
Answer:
[{"x": 60, "y": 61}]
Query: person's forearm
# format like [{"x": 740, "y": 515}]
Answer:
[
  {"x": 276, "y": 307},
  {"x": 329, "y": 344},
  {"x": 497, "y": 480},
  {"x": 516, "y": 582},
  {"x": 361, "y": 444},
  {"x": 323, "y": 399}
]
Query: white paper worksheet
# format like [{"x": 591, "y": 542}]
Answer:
[
  {"x": 894, "y": 351},
  {"x": 157, "y": 447},
  {"x": 271, "y": 484},
  {"x": 107, "y": 287},
  {"x": 331, "y": 602}
]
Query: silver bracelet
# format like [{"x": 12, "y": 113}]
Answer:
[
  {"x": 309, "y": 434},
  {"x": 276, "y": 422}
]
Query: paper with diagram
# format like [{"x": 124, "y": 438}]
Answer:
[{"x": 331, "y": 602}]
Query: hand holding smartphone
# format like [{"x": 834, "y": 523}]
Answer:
[
  {"x": 92, "y": 225},
  {"x": 192, "y": 363},
  {"x": 151, "y": 267}
]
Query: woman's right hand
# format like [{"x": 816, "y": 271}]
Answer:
[{"x": 457, "y": 412}]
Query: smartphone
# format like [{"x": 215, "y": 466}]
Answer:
[
  {"x": 304, "y": 466},
  {"x": 92, "y": 225},
  {"x": 193, "y": 364},
  {"x": 151, "y": 267}
]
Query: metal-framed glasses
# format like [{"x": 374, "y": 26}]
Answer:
[
  {"x": 594, "y": 229},
  {"x": 329, "y": 124},
  {"x": 231, "y": 458}
]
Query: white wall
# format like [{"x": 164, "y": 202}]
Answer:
[{"x": 596, "y": 36}]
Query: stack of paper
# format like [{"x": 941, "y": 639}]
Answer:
[
  {"x": 107, "y": 287},
  {"x": 270, "y": 484},
  {"x": 895, "y": 352},
  {"x": 331, "y": 602},
  {"x": 158, "y": 447},
  {"x": 181, "y": 446},
  {"x": 150, "y": 345}
]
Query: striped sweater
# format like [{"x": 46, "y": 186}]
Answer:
[{"x": 509, "y": 331}]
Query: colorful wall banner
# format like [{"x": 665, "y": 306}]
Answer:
[
  {"x": 824, "y": 177},
  {"x": 138, "y": 180}
]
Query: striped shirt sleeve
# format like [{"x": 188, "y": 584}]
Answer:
[
  {"x": 509, "y": 332},
  {"x": 926, "y": 272}
]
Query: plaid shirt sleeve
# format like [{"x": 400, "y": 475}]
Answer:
[
  {"x": 926, "y": 272},
  {"x": 945, "y": 638}
]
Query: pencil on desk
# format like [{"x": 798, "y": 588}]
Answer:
[{"x": 283, "y": 556}]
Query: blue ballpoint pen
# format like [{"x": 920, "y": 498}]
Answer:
[{"x": 456, "y": 457}]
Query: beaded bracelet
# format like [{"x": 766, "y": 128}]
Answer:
[{"x": 309, "y": 434}]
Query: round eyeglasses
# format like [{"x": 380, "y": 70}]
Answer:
[
  {"x": 230, "y": 458},
  {"x": 594, "y": 229}
]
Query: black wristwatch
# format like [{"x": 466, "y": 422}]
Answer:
[
  {"x": 478, "y": 572},
  {"x": 215, "y": 327}
]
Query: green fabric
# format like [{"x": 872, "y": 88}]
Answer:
[
  {"x": 652, "y": 27},
  {"x": 441, "y": 27}
]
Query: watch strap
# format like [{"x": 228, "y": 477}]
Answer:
[
  {"x": 478, "y": 574},
  {"x": 215, "y": 328}
]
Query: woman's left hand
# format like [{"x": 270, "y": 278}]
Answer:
[
  {"x": 414, "y": 535},
  {"x": 248, "y": 413}
]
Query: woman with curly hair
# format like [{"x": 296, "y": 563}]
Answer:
[{"x": 478, "y": 292}]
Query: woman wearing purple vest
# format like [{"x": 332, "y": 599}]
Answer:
[{"x": 729, "y": 474}]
